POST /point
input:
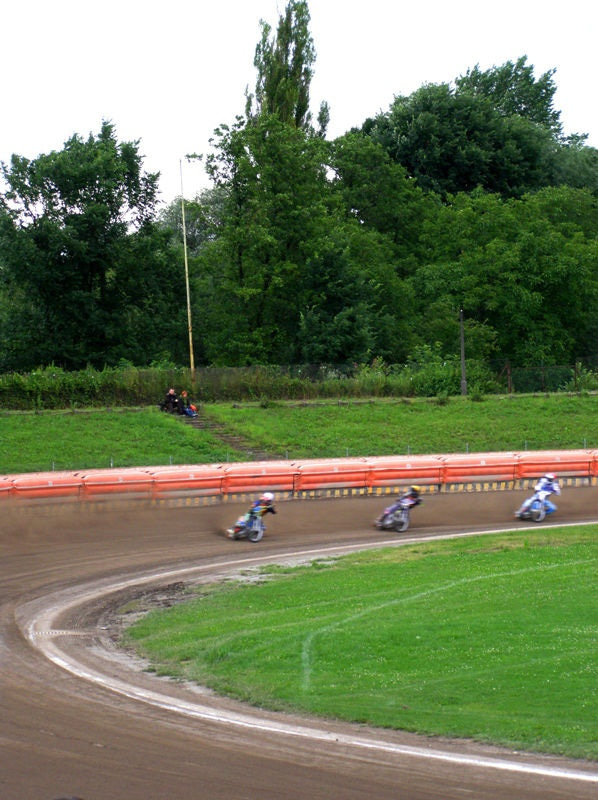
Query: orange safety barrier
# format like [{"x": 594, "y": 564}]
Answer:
[
  {"x": 464, "y": 468},
  {"x": 111, "y": 481},
  {"x": 403, "y": 470},
  {"x": 6, "y": 488},
  {"x": 564, "y": 463},
  {"x": 200, "y": 479},
  {"x": 331, "y": 474},
  {"x": 289, "y": 476},
  {"x": 46, "y": 484},
  {"x": 259, "y": 476}
]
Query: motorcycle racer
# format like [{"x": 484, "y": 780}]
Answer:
[
  {"x": 412, "y": 497},
  {"x": 546, "y": 486},
  {"x": 409, "y": 500},
  {"x": 263, "y": 505}
]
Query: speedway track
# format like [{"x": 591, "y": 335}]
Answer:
[{"x": 80, "y": 719}]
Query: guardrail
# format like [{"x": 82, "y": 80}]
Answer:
[{"x": 368, "y": 475}]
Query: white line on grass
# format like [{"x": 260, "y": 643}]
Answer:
[{"x": 306, "y": 652}]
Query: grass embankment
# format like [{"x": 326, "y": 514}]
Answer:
[
  {"x": 102, "y": 439},
  {"x": 417, "y": 426},
  {"x": 69, "y": 441},
  {"x": 491, "y": 638}
]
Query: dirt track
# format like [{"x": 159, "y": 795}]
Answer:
[{"x": 65, "y": 735}]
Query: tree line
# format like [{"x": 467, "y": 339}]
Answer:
[{"x": 463, "y": 200}]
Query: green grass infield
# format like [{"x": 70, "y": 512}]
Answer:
[{"x": 492, "y": 638}]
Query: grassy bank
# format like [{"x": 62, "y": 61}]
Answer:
[
  {"x": 490, "y": 639},
  {"x": 397, "y": 427},
  {"x": 146, "y": 437},
  {"x": 103, "y": 439}
]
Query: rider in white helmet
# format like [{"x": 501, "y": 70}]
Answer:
[
  {"x": 548, "y": 484},
  {"x": 263, "y": 505}
]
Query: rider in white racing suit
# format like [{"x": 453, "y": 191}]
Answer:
[{"x": 548, "y": 485}]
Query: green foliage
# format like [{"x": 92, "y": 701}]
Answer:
[
  {"x": 90, "y": 268},
  {"x": 313, "y": 251},
  {"x": 284, "y": 239},
  {"x": 522, "y": 270},
  {"x": 285, "y": 68},
  {"x": 583, "y": 380},
  {"x": 427, "y": 374},
  {"x": 514, "y": 91},
  {"x": 452, "y": 142},
  {"x": 54, "y": 388},
  {"x": 379, "y": 193},
  {"x": 433, "y": 375}
]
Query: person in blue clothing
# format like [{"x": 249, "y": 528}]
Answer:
[
  {"x": 186, "y": 406},
  {"x": 263, "y": 505},
  {"x": 546, "y": 486}
]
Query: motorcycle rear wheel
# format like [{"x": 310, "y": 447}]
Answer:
[{"x": 537, "y": 512}]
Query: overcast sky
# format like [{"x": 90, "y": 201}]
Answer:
[{"x": 167, "y": 73}]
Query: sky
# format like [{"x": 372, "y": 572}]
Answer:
[{"x": 168, "y": 73}]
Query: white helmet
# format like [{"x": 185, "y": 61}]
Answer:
[
  {"x": 267, "y": 497},
  {"x": 550, "y": 476}
]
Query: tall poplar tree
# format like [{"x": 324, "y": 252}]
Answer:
[
  {"x": 284, "y": 65},
  {"x": 287, "y": 263}
]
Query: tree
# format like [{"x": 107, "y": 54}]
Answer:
[
  {"x": 513, "y": 91},
  {"x": 452, "y": 142},
  {"x": 73, "y": 225},
  {"x": 523, "y": 270},
  {"x": 377, "y": 191},
  {"x": 576, "y": 165},
  {"x": 276, "y": 205},
  {"x": 270, "y": 167},
  {"x": 203, "y": 215},
  {"x": 284, "y": 67}
]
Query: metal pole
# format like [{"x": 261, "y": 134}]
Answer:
[
  {"x": 189, "y": 325},
  {"x": 462, "y": 338}
]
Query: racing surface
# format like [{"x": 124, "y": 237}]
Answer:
[{"x": 81, "y": 719}]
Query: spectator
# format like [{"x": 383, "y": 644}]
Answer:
[
  {"x": 171, "y": 402},
  {"x": 186, "y": 406}
]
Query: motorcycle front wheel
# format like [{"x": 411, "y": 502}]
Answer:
[
  {"x": 537, "y": 512},
  {"x": 401, "y": 521},
  {"x": 255, "y": 534}
]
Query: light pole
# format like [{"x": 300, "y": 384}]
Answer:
[{"x": 189, "y": 324}]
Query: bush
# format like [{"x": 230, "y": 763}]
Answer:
[{"x": 427, "y": 374}]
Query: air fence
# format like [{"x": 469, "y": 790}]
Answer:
[{"x": 211, "y": 483}]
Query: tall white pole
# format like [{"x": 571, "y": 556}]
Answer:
[{"x": 189, "y": 325}]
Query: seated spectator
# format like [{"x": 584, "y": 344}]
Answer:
[
  {"x": 171, "y": 402},
  {"x": 186, "y": 406}
]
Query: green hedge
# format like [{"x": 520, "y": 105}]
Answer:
[{"x": 54, "y": 388}]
